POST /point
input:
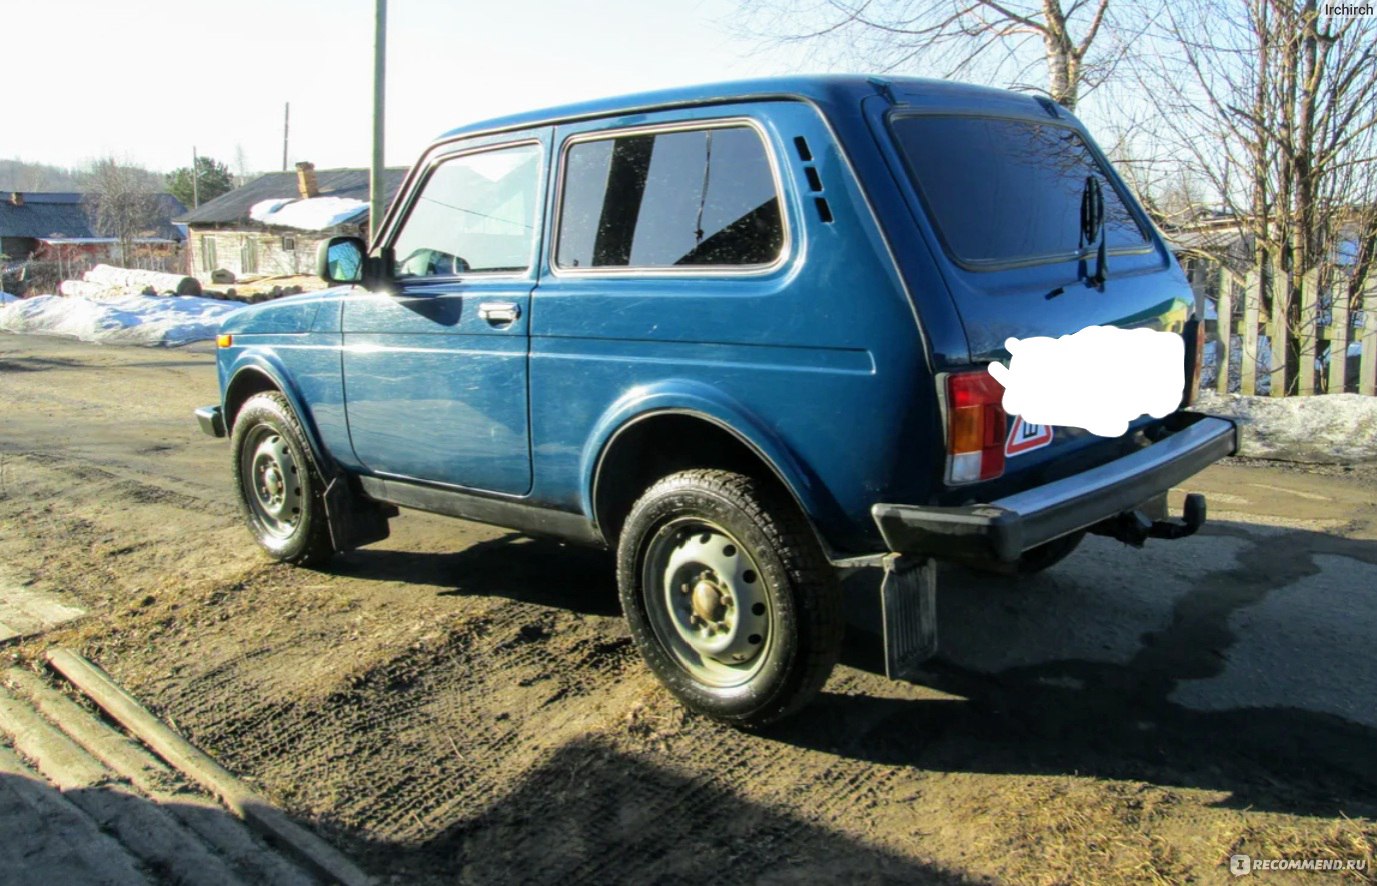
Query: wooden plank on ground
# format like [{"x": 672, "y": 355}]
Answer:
[{"x": 198, "y": 766}]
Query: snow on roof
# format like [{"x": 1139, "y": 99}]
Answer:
[
  {"x": 65, "y": 241},
  {"x": 313, "y": 214},
  {"x": 138, "y": 319}
]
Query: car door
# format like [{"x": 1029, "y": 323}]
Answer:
[{"x": 435, "y": 370}]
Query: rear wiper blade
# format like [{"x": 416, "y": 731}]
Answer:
[{"x": 1092, "y": 227}]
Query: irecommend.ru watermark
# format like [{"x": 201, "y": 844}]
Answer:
[
  {"x": 1243, "y": 865},
  {"x": 1348, "y": 10}
]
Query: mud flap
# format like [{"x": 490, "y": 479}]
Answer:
[
  {"x": 354, "y": 521},
  {"x": 908, "y": 605}
]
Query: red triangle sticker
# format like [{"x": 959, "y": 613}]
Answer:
[{"x": 1025, "y": 437}]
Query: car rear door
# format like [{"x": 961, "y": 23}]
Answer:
[{"x": 997, "y": 184}]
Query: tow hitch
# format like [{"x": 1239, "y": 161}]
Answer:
[{"x": 1134, "y": 527}]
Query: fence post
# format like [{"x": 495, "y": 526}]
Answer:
[
  {"x": 1279, "y": 282},
  {"x": 1224, "y": 326},
  {"x": 1309, "y": 318},
  {"x": 1252, "y": 303},
  {"x": 1367, "y": 363},
  {"x": 1338, "y": 340}
]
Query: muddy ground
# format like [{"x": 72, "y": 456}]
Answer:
[{"x": 462, "y": 703}]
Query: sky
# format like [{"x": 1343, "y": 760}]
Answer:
[{"x": 145, "y": 81}]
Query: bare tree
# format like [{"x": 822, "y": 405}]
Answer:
[
  {"x": 241, "y": 166},
  {"x": 1003, "y": 40},
  {"x": 122, "y": 202},
  {"x": 1274, "y": 104}
]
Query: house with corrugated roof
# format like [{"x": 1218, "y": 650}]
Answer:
[
  {"x": 272, "y": 225},
  {"x": 46, "y": 225}
]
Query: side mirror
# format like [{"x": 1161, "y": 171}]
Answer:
[{"x": 341, "y": 260}]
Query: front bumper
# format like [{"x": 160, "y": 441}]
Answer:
[
  {"x": 1005, "y": 528},
  {"x": 212, "y": 420}
]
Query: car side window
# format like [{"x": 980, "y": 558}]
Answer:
[
  {"x": 674, "y": 199},
  {"x": 476, "y": 213}
]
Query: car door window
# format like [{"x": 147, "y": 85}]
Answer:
[
  {"x": 673, "y": 199},
  {"x": 476, "y": 213}
]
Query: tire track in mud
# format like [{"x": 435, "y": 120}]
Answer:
[
  {"x": 128, "y": 484},
  {"x": 412, "y": 742}
]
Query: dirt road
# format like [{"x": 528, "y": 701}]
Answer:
[{"x": 462, "y": 703}]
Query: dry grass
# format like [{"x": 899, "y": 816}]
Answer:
[{"x": 1340, "y": 840}]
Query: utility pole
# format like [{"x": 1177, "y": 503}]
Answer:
[
  {"x": 195, "y": 181},
  {"x": 375, "y": 180},
  {"x": 286, "y": 119}
]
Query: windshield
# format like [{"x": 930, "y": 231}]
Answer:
[{"x": 1002, "y": 191}]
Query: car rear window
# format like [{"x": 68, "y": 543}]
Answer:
[
  {"x": 673, "y": 199},
  {"x": 1003, "y": 191}
]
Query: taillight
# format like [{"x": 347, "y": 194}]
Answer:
[{"x": 976, "y": 425}]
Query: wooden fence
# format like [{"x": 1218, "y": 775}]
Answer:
[{"x": 1325, "y": 332}]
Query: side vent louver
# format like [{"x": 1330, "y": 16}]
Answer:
[{"x": 814, "y": 180}]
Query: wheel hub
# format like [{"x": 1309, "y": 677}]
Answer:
[
  {"x": 709, "y": 601},
  {"x": 715, "y": 615},
  {"x": 276, "y": 491}
]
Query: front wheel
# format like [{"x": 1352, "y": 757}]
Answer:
[
  {"x": 729, "y": 597},
  {"x": 281, "y": 494}
]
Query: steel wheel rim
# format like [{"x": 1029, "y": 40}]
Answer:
[
  {"x": 707, "y": 602},
  {"x": 273, "y": 485}
]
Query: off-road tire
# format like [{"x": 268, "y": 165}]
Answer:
[
  {"x": 805, "y": 615},
  {"x": 308, "y": 542}
]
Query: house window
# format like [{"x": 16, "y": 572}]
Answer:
[
  {"x": 289, "y": 244},
  {"x": 208, "y": 261}
]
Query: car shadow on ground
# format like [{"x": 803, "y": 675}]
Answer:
[
  {"x": 109, "y": 834},
  {"x": 608, "y": 817},
  {"x": 1050, "y": 714},
  {"x": 1118, "y": 718},
  {"x": 514, "y": 566}
]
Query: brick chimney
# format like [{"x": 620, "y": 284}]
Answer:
[
  {"x": 16, "y": 198},
  {"x": 306, "y": 180}
]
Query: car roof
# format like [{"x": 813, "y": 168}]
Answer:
[{"x": 843, "y": 90}]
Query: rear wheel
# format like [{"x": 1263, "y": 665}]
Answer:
[
  {"x": 281, "y": 494},
  {"x": 728, "y": 596}
]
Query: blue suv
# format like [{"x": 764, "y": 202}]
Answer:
[{"x": 740, "y": 334}]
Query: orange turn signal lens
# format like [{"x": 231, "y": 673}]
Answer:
[
  {"x": 967, "y": 429},
  {"x": 224, "y": 340}
]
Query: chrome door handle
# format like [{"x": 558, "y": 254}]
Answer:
[{"x": 499, "y": 313}]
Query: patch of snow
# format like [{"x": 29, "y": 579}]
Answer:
[
  {"x": 313, "y": 214},
  {"x": 6, "y": 298},
  {"x": 1324, "y": 429},
  {"x": 135, "y": 319},
  {"x": 264, "y": 208}
]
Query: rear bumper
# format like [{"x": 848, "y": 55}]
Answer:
[
  {"x": 1005, "y": 528},
  {"x": 212, "y": 420}
]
